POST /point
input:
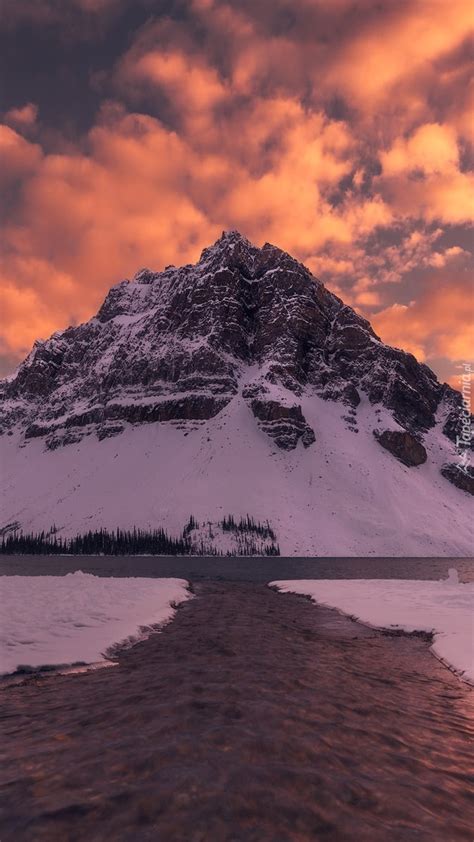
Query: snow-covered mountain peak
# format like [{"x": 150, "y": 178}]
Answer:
[
  {"x": 228, "y": 241},
  {"x": 188, "y": 332},
  {"x": 143, "y": 276},
  {"x": 236, "y": 253},
  {"x": 248, "y": 338}
]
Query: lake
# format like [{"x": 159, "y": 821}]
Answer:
[{"x": 239, "y": 569}]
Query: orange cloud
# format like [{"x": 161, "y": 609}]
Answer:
[
  {"x": 437, "y": 324},
  {"x": 22, "y": 117},
  {"x": 187, "y": 83},
  {"x": 446, "y": 198},
  {"x": 31, "y": 313},
  {"x": 19, "y": 157},
  {"x": 330, "y": 129},
  {"x": 84, "y": 222},
  {"x": 396, "y": 46},
  {"x": 421, "y": 176},
  {"x": 431, "y": 149}
]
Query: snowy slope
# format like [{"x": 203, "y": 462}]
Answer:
[
  {"x": 345, "y": 496},
  {"x": 236, "y": 386}
]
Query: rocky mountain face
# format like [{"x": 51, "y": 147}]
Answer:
[{"x": 179, "y": 345}]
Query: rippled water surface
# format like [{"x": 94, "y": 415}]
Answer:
[{"x": 253, "y": 716}]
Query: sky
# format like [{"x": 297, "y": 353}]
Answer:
[{"x": 133, "y": 132}]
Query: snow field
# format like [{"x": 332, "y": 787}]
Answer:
[{"x": 343, "y": 496}]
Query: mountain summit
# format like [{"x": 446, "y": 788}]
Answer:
[{"x": 238, "y": 385}]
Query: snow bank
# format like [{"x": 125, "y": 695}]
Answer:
[
  {"x": 53, "y": 620},
  {"x": 445, "y": 608}
]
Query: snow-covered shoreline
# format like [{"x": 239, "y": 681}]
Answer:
[
  {"x": 79, "y": 618},
  {"x": 444, "y": 609}
]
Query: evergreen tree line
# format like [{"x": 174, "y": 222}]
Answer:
[
  {"x": 140, "y": 541},
  {"x": 246, "y": 547},
  {"x": 99, "y": 542},
  {"x": 247, "y": 524}
]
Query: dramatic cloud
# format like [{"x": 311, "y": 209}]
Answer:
[
  {"x": 437, "y": 324},
  {"x": 19, "y": 157},
  {"x": 339, "y": 131},
  {"x": 23, "y": 117}
]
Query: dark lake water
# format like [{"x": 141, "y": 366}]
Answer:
[{"x": 239, "y": 569}]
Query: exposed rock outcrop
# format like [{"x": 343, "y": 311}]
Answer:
[
  {"x": 404, "y": 446},
  {"x": 285, "y": 424},
  {"x": 461, "y": 477},
  {"x": 186, "y": 408},
  {"x": 458, "y": 421}
]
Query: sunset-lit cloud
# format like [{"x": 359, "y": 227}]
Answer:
[
  {"x": 30, "y": 313},
  {"x": 22, "y": 117},
  {"x": 432, "y": 149},
  {"x": 19, "y": 157},
  {"x": 437, "y": 324},
  {"x": 339, "y": 131}
]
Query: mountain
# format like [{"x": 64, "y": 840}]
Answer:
[{"x": 238, "y": 385}]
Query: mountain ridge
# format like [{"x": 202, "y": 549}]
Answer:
[
  {"x": 245, "y": 330},
  {"x": 244, "y": 324}
]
